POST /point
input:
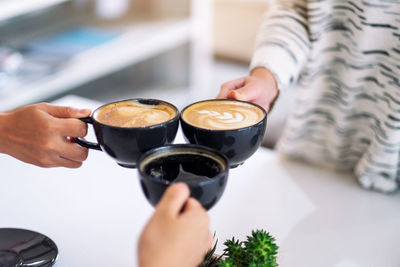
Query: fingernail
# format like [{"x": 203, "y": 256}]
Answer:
[
  {"x": 237, "y": 95},
  {"x": 231, "y": 94}
]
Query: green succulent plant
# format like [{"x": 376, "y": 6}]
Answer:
[
  {"x": 227, "y": 263},
  {"x": 234, "y": 251},
  {"x": 258, "y": 250}
]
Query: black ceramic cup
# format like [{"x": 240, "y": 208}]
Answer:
[
  {"x": 203, "y": 169},
  {"x": 126, "y": 144},
  {"x": 238, "y": 144}
]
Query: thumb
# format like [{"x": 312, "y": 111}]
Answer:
[
  {"x": 174, "y": 199},
  {"x": 231, "y": 85},
  {"x": 246, "y": 93},
  {"x": 66, "y": 112},
  {"x": 253, "y": 92},
  {"x": 193, "y": 204}
]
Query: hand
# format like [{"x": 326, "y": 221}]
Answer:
[
  {"x": 260, "y": 88},
  {"x": 39, "y": 134},
  {"x": 174, "y": 237}
]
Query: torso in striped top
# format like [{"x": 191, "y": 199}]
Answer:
[{"x": 344, "y": 59}]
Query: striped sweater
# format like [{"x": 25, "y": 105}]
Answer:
[{"x": 343, "y": 58}]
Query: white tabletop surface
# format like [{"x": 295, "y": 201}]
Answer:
[{"x": 95, "y": 213}]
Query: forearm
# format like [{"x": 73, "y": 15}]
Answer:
[{"x": 283, "y": 42}]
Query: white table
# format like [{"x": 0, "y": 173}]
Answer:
[{"x": 95, "y": 214}]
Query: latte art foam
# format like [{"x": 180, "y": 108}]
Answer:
[
  {"x": 222, "y": 115},
  {"x": 128, "y": 114}
]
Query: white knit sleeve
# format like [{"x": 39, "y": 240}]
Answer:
[{"x": 283, "y": 43}]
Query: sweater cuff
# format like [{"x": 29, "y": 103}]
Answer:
[{"x": 278, "y": 62}]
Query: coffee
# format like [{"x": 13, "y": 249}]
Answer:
[
  {"x": 222, "y": 114},
  {"x": 190, "y": 168},
  {"x": 134, "y": 114},
  {"x": 203, "y": 169}
]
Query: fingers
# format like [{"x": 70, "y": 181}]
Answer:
[
  {"x": 237, "y": 95},
  {"x": 193, "y": 208},
  {"x": 256, "y": 93},
  {"x": 56, "y": 161},
  {"x": 74, "y": 152},
  {"x": 64, "y": 162},
  {"x": 231, "y": 85},
  {"x": 64, "y": 112},
  {"x": 66, "y": 119},
  {"x": 174, "y": 199},
  {"x": 247, "y": 93},
  {"x": 195, "y": 211},
  {"x": 71, "y": 127},
  {"x": 192, "y": 204}
]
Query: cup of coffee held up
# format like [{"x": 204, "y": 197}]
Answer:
[
  {"x": 233, "y": 127},
  {"x": 128, "y": 128},
  {"x": 203, "y": 169}
]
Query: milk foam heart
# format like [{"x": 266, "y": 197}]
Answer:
[{"x": 222, "y": 114}]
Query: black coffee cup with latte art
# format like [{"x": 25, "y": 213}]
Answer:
[
  {"x": 233, "y": 127},
  {"x": 126, "y": 129}
]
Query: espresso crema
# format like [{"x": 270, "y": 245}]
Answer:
[
  {"x": 131, "y": 114},
  {"x": 222, "y": 115}
]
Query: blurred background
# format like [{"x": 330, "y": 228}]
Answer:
[{"x": 176, "y": 50}]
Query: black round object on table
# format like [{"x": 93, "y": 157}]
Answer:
[{"x": 19, "y": 248}]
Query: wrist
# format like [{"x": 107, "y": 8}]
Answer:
[
  {"x": 263, "y": 73},
  {"x": 266, "y": 75}
]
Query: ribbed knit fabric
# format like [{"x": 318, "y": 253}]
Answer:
[{"x": 343, "y": 58}]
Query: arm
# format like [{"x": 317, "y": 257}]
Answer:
[
  {"x": 283, "y": 43},
  {"x": 39, "y": 134},
  {"x": 281, "y": 51},
  {"x": 174, "y": 237}
]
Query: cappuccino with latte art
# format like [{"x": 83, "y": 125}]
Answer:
[
  {"x": 128, "y": 128},
  {"x": 134, "y": 114},
  {"x": 222, "y": 114}
]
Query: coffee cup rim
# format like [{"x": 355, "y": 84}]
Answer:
[
  {"x": 184, "y": 146},
  {"x": 225, "y": 99},
  {"x": 177, "y": 115}
]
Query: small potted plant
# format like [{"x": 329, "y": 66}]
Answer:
[{"x": 258, "y": 250}]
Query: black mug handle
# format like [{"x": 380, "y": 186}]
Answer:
[{"x": 83, "y": 142}]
